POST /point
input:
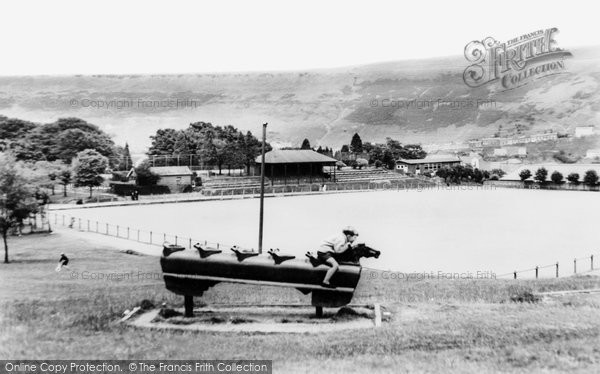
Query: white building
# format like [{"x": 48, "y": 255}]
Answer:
[
  {"x": 592, "y": 153},
  {"x": 584, "y": 131}
]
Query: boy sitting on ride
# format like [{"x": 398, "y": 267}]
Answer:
[{"x": 335, "y": 245}]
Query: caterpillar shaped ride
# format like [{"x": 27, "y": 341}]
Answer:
[{"x": 191, "y": 272}]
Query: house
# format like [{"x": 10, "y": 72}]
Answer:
[
  {"x": 511, "y": 151},
  {"x": 592, "y": 153},
  {"x": 427, "y": 164},
  {"x": 582, "y": 131},
  {"x": 177, "y": 178}
]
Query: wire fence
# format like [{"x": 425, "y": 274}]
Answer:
[
  {"x": 586, "y": 265},
  {"x": 151, "y": 237},
  {"x": 580, "y": 265}
]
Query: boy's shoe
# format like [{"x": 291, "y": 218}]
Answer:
[{"x": 327, "y": 285}]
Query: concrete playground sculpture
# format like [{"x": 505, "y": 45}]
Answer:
[{"x": 191, "y": 272}]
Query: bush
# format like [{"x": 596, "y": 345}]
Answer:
[
  {"x": 378, "y": 163},
  {"x": 557, "y": 177},
  {"x": 541, "y": 174},
  {"x": 590, "y": 178},
  {"x": 525, "y": 174},
  {"x": 573, "y": 178}
]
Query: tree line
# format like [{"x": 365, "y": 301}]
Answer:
[
  {"x": 590, "y": 178},
  {"x": 203, "y": 144},
  {"x": 358, "y": 153},
  {"x": 60, "y": 141}
]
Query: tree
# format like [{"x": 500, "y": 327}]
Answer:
[
  {"x": 590, "y": 178},
  {"x": 525, "y": 174},
  {"x": 541, "y": 174},
  {"x": 388, "y": 159},
  {"x": 17, "y": 198},
  {"x": 556, "y": 177},
  {"x": 356, "y": 145},
  {"x": 48, "y": 173},
  {"x": 499, "y": 172},
  {"x": 478, "y": 176},
  {"x": 88, "y": 167},
  {"x": 573, "y": 178},
  {"x": 127, "y": 162},
  {"x": 144, "y": 176},
  {"x": 345, "y": 149},
  {"x": 252, "y": 147},
  {"x": 305, "y": 144},
  {"x": 65, "y": 176},
  {"x": 412, "y": 152}
]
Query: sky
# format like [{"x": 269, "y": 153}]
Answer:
[{"x": 176, "y": 36}]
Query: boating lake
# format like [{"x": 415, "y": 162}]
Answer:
[{"x": 456, "y": 230}]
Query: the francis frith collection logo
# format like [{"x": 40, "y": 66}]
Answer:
[{"x": 515, "y": 62}]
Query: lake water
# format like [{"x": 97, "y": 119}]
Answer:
[{"x": 447, "y": 230}]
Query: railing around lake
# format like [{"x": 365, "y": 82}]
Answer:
[
  {"x": 131, "y": 233},
  {"x": 280, "y": 190},
  {"x": 586, "y": 265},
  {"x": 580, "y": 265}
]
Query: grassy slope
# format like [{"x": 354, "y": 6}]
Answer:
[{"x": 456, "y": 326}]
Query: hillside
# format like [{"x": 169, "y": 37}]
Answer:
[{"x": 325, "y": 106}]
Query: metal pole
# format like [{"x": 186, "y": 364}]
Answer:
[{"x": 262, "y": 189}]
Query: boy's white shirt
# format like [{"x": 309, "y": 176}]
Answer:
[{"x": 335, "y": 244}]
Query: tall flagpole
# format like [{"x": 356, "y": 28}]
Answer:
[{"x": 262, "y": 189}]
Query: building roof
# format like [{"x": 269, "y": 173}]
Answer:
[
  {"x": 430, "y": 160},
  {"x": 564, "y": 169},
  {"x": 171, "y": 170},
  {"x": 294, "y": 156}
]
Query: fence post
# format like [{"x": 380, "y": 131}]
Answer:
[
  {"x": 150, "y": 237},
  {"x": 138, "y": 235},
  {"x": 536, "y": 272},
  {"x": 164, "y": 237},
  {"x": 575, "y": 266},
  {"x": 127, "y": 232},
  {"x": 96, "y": 226},
  {"x": 557, "y": 270},
  {"x": 117, "y": 231},
  {"x": 190, "y": 244},
  {"x": 63, "y": 219},
  {"x": 175, "y": 239},
  {"x": 107, "y": 229},
  {"x": 88, "y": 225},
  {"x": 592, "y": 262},
  {"x": 217, "y": 245},
  {"x": 515, "y": 275}
]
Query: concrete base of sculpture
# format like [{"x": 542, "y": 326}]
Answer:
[{"x": 265, "y": 319}]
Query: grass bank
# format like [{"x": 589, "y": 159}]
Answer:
[{"x": 438, "y": 325}]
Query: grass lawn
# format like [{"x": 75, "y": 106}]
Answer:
[{"x": 437, "y": 325}]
